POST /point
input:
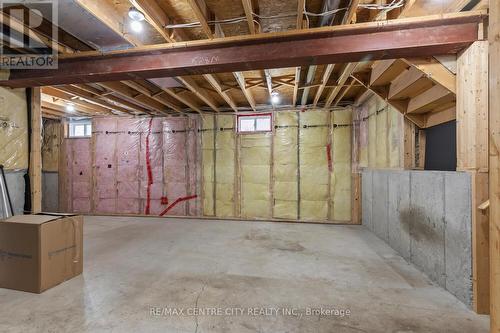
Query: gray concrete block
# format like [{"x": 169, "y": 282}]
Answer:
[
  {"x": 367, "y": 198},
  {"x": 15, "y": 184},
  {"x": 427, "y": 223},
  {"x": 380, "y": 202},
  {"x": 458, "y": 235},
  {"x": 50, "y": 191},
  {"x": 399, "y": 212}
]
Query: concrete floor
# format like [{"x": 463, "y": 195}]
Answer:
[{"x": 136, "y": 266}]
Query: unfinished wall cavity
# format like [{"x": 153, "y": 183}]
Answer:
[
  {"x": 14, "y": 144},
  {"x": 52, "y": 130},
  {"x": 380, "y": 134},
  {"x": 134, "y": 166},
  {"x": 426, "y": 217},
  {"x": 301, "y": 170},
  {"x": 286, "y": 166}
]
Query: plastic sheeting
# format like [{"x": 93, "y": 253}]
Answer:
[
  {"x": 225, "y": 147},
  {"x": 50, "y": 145},
  {"x": 13, "y": 129},
  {"x": 180, "y": 164},
  {"x": 341, "y": 176},
  {"x": 140, "y": 166},
  {"x": 78, "y": 175},
  {"x": 314, "y": 171},
  {"x": 380, "y": 135},
  {"x": 285, "y": 166},
  {"x": 255, "y": 164},
  {"x": 208, "y": 165}
]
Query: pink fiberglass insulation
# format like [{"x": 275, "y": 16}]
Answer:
[
  {"x": 127, "y": 165},
  {"x": 79, "y": 171},
  {"x": 175, "y": 163},
  {"x": 105, "y": 141},
  {"x": 128, "y": 178},
  {"x": 154, "y": 162}
]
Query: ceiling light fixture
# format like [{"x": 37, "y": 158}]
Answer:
[
  {"x": 136, "y": 26},
  {"x": 70, "y": 108},
  {"x": 135, "y": 14},
  {"x": 275, "y": 97}
]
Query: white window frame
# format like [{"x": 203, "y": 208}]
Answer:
[
  {"x": 87, "y": 126},
  {"x": 255, "y": 118}
]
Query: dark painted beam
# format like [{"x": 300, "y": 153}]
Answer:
[{"x": 415, "y": 37}]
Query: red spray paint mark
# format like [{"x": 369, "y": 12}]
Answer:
[
  {"x": 176, "y": 202},
  {"x": 150, "y": 171},
  {"x": 329, "y": 156}
]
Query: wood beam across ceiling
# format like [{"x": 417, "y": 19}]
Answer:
[{"x": 425, "y": 36}]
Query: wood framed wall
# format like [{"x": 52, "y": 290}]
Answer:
[
  {"x": 472, "y": 157},
  {"x": 35, "y": 163},
  {"x": 494, "y": 162}
]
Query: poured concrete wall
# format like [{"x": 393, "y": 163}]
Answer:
[
  {"x": 426, "y": 217},
  {"x": 50, "y": 192}
]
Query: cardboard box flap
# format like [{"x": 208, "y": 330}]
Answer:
[{"x": 33, "y": 219}]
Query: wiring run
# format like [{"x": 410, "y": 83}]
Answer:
[{"x": 393, "y": 5}]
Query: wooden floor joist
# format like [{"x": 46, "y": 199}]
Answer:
[{"x": 424, "y": 36}]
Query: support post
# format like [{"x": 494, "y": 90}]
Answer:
[
  {"x": 472, "y": 157},
  {"x": 494, "y": 162},
  {"x": 35, "y": 169}
]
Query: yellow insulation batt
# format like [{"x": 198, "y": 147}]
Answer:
[
  {"x": 341, "y": 156},
  {"x": 382, "y": 160},
  {"x": 255, "y": 171},
  {"x": 384, "y": 131},
  {"x": 395, "y": 138},
  {"x": 285, "y": 165},
  {"x": 13, "y": 129},
  {"x": 372, "y": 132},
  {"x": 314, "y": 173},
  {"x": 50, "y": 145},
  {"x": 225, "y": 161},
  {"x": 208, "y": 151}
]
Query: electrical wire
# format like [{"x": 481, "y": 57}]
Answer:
[{"x": 393, "y": 5}]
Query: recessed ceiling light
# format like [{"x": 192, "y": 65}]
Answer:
[
  {"x": 136, "y": 26},
  {"x": 135, "y": 14}
]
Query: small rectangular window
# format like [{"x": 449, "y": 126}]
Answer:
[
  {"x": 255, "y": 123},
  {"x": 81, "y": 128}
]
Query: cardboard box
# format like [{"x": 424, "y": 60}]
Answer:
[{"x": 38, "y": 252}]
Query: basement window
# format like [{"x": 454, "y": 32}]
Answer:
[
  {"x": 81, "y": 128},
  {"x": 255, "y": 123}
]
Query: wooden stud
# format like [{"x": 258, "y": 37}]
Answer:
[
  {"x": 480, "y": 244},
  {"x": 494, "y": 163},
  {"x": 472, "y": 108},
  {"x": 35, "y": 168},
  {"x": 409, "y": 145}
]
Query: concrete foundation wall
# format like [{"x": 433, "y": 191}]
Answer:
[
  {"x": 15, "y": 184},
  {"x": 50, "y": 192},
  {"x": 426, "y": 217}
]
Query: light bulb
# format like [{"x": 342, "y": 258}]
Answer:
[
  {"x": 135, "y": 14},
  {"x": 70, "y": 108},
  {"x": 275, "y": 97},
  {"x": 136, "y": 26}
]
